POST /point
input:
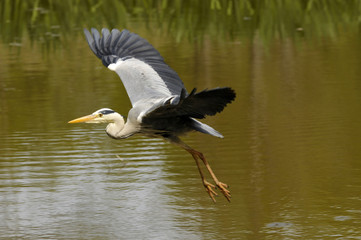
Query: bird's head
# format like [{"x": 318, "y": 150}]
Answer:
[{"x": 104, "y": 115}]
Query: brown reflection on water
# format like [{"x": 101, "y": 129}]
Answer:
[{"x": 290, "y": 154}]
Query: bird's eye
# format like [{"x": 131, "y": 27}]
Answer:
[{"x": 100, "y": 115}]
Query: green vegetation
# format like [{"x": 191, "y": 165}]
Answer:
[{"x": 54, "y": 21}]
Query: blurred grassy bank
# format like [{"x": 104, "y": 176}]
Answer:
[{"x": 51, "y": 22}]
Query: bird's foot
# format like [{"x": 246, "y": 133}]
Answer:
[
  {"x": 223, "y": 187},
  {"x": 210, "y": 189}
]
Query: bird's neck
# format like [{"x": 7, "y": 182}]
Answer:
[
  {"x": 114, "y": 128},
  {"x": 118, "y": 129}
]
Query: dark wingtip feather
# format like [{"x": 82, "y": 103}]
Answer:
[
  {"x": 194, "y": 90},
  {"x": 90, "y": 40},
  {"x": 209, "y": 102},
  {"x": 122, "y": 44},
  {"x": 229, "y": 94},
  {"x": 105, "y": 39}
]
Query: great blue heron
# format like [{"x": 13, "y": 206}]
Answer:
[{"x": 161, "y": 105}]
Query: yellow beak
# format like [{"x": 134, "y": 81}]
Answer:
[{"x": 84, "y": 119}]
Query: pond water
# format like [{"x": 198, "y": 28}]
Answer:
[{"x": 291, "y": 152}]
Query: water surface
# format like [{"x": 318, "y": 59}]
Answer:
[{"x": 291, "y": 151}]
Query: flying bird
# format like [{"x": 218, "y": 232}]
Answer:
[{"x": 161, "y": 106}]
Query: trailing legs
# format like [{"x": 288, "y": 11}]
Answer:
[{"x": 199, "y": 156}]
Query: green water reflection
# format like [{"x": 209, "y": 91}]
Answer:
[{"x": 291, "y": 149}]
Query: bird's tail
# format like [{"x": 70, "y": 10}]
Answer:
[{"x": 204, "y": 128}]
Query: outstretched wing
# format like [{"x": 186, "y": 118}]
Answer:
[
  {"x": 195, "y": 105},
  {"x": 175, "y": 114},
  {"x": 141, "y": 68}
]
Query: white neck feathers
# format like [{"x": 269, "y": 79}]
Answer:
[{"x": 119, "y": 129}]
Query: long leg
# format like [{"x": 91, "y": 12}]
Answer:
[
  {"x": 198, "y": 155},
  {"x": 222, "y": 186},
  {"x": 209, "y": 187}
]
